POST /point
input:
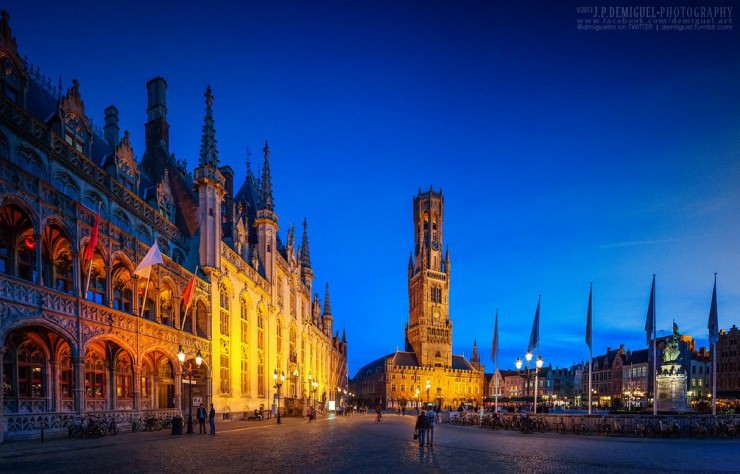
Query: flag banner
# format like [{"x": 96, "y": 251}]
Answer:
[
  {"x": 494, "y": 347},
  {"x": 152, "y": 257},
  {"x": 93, "y": 242},
  {"x": 187, "y": 295},
  {"x": 650, "y": 321},
  {"x": 713, "y": 325},
  {"x": 534, "y": 337},
  {"x": 588, "y": 319}
]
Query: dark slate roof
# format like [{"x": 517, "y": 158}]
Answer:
[
  {"x": 39, "y": 101},
  {"x": 638, "y": 357},
  {"x": 249, "y": 194},
  {"x": 373, "y": 366},
  {"x": 405, "y": 359},
  {"x": 460, "y": 363}
]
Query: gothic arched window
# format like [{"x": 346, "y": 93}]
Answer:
[
  {"x": 31, "y": 371},
  {"x": 56, "y": 255},
  {"x": 95, "y": 375},
  {"x": 17, "y": 244}
]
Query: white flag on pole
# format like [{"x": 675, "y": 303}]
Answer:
[{"x": 152, "y": 257}]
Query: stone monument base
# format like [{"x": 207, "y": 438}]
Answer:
[{"x": 672, "y": 392}]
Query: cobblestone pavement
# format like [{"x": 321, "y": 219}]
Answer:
[{"x": 356, "y": 444}]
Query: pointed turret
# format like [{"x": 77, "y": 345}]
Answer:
[
  {"x": 290, "y": 242},
  {"x": 15, "y": 77},
  {"x": 250, "y": 173},
  {"x": 266, "y": 221},
  {"x": 209, "y": 182},
  {"x": 266, "y": 199},
  {"x": 305, "y": 257},
  {"x": 327, "y": 302},
  {"x": 328, "y": 318},
  {"x": 208, "y": 151}
]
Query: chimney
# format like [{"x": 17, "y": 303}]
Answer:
[
  {"x": 156, "y": 99},
  {"x": 111, "y": 126},
  {"x": 156, "y": 131}
]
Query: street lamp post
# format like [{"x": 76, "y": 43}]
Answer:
[
  {"x": 429, "y": 385},
  {"x": 314, "y": 387},
  {"x": 538, "y": 365},
  {"x": 279, "y": 379},
  {"x": 189, "y": 373}
]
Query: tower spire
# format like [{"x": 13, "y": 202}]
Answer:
[
  {"x": 208, "y": 152},
  {"x": 327, "y": 302},
  {"x": 305, "y": 251},
  {"x": 266, "y": 199},
  {"x": 250, "y": 174}
]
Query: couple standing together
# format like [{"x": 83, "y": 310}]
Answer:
[
  {"x": 202, "y": 419},
  {"x": 425, "y": 423}
]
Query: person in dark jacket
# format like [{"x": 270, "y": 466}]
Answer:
[
  {"x": 202, "y": 419},
  {"x": 421, "y": 427},
  {"x": 212, "y": 419}
]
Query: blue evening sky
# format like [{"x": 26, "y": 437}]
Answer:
[{"x": 564, "y": 156}]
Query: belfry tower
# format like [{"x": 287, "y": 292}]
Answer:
[{"x": 429, "y": 331}]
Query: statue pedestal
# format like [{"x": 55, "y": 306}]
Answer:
[{"x": 672, "y": 389}]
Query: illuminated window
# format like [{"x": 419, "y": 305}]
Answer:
[
  {"x": 94, "y": 375},
  {"x": 124, "y": 377},
  {"x": 225, "y": 375},
  {"x": 244, "y": 375},
  {"x": 31, "y": 369}
]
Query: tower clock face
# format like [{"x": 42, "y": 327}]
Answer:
[
  {"x": 436, "y": 313},
  {"x": 435, "y": 245}
]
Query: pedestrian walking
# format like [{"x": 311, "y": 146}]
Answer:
[
  {"x": 431, "y": 422},
  {"x": 421, "y": 427},
  {"x": 212, "y": 420},
  {"x": 202, "y": 419}
]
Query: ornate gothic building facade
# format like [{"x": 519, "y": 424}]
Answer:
[
  {"x": 426, "y": 371},
  {"x": 80, "y": 333}
]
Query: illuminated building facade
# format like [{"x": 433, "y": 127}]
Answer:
[{"x": 81, "y": 335}]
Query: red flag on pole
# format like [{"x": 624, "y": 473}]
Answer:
[
  {"x": 93, "y": 242},
  {"x": 187, "y": 295}
]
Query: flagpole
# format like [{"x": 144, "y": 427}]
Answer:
[
  {"x": 87, "y": 284},
  {"x": 190, "y": 303},
  {"x": 495, "y": 360},
  {"x": 89, "y": 270},
  {"x": 655, "y": 356},
  {"x": 713, "y": 333},
  {"x": 714, "y": 379},
  {"x": 146, "y": 290},
  {"x": 589, "y": 329},
  {"x": 590, "y": 358}
]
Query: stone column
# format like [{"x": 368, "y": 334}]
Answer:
[
  {"x": 75, "y": 272},
  {"x": 135, "y": 298},
  {"x": 52, "y": 394},
  {"x": 178, "y": 390},
  {"x": 39, "y": 252},
  {"x": 78, "y": 364},
  {"x": 112, "y": 400},
  {"x": 137, "y": 387},
  {"x": 177, "y": 312},
  {"x": 2, "y": 397}
]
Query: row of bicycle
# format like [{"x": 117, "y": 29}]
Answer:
[
  {"x": 95, "y": 426},
  {"x": 696, "y": 426}
]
